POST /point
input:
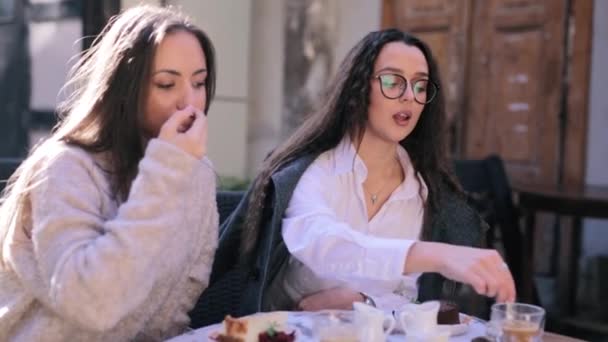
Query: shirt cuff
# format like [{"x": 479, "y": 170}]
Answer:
[{"x": 393, "y": 253}]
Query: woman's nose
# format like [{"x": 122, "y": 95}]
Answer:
[
  {"x": 408, "y": 93},
  {"x": 187, "y": 98}
]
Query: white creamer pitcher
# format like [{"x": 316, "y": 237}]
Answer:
[
  {"x": 371, "y": 321},
  {"x": 416, "y": 319}
]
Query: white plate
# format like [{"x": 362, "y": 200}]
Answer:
[
  {"x": 455, "y": 329},
  {"x": 300, "y": 336},
  {"x": 459, "y": 329}
]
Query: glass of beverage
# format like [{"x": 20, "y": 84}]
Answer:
[{"x": 517, "y": 322}]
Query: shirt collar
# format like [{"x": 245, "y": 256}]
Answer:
[
  {"x": 347, "y": 160},
  {"x": 413, "y": 180},
  {"x": 345, "y": 157}
]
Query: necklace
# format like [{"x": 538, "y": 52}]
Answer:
[{"x": 374, "y": 196}]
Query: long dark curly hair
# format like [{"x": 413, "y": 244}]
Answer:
[{"x": 344, "y": 110}]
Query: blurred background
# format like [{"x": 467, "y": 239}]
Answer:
[{"x": 524, "y": 80}]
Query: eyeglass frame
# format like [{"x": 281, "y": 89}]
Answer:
[{"x": 377, "y": 77}]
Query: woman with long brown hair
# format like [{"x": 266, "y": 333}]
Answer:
[
  {"x": 359, "y": 201},
  {"x": 109, "y": 227}
]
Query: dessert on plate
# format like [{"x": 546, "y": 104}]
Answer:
[
  {"x": 448, "y": 313},
  {"x": 261, "y": 327}
]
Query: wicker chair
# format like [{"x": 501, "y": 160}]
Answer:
[{"x": 223, "y": 296}]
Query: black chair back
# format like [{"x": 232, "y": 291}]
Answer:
[
  {"x": 227, "y": 202},
  {"x": 216, "y": 300},
  {"x": 488, "y": 190},
  {"x": 7, "y": 168}
]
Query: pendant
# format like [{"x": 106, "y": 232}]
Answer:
[{"x": 374, "y": 199}]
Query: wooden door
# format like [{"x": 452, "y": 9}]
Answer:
[
  {"x": 443, "y": 25},
  {"x": 502, "y": 63},
  {"x": 515, "y": 86}
]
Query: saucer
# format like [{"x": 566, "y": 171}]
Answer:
[
  {"x": 455, "y": 329},
  {"x": 459, "y": 329}
]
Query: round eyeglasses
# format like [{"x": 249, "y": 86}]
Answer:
[{"x": 393, "y": 86}]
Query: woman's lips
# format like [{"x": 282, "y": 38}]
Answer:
[{"x": 402, "y": 118}]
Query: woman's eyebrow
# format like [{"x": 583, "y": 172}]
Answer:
[
  {"x": 177, "y": 73},
  {"x": 392, "y": 69},
  {"x": 399, "y": 71},
  {"x": 199, "y": 71},
  {"x": 169, "y": 71}
]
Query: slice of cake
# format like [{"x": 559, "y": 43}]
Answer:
[
  {"x": 448, "y": 313},
  {"x": 262, "y": 326}
]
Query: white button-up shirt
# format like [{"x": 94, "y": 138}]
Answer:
[{"x": 332, "y": 242}]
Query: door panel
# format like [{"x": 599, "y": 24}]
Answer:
[
  {"x": 515, "y": 96},
  {"x": 502, "y": 65},
  {"x": 443, "y": 25},
  {"x": 515, "y": 85}
]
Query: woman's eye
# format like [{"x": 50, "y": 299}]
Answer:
[
  {"x": 200, "y": 84},
  {"x": 389, "y": 83},
  {"x": 164, "y": 85},
  {"x": 420, "y": 89}
]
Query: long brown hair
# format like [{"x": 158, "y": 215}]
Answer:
[
  {"x": 103, "y": 111},
  {"x": 344, "y": 110},
  {"x": 108, "y": 87}
]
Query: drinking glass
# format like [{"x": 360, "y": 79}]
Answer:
[{"x": 516, "y": 322}]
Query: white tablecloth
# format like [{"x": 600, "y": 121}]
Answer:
[{"x": 303, "y": 321}]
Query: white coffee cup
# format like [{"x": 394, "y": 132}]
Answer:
[{"x": 371, "y": 321}]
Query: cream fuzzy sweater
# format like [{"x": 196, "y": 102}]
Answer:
[{"x": 81, "y": 267}]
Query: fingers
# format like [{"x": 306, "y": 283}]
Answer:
[
  {"x": 309, "y": 303},
  {"x": 499, "y": 283},
  {"x": 199, "y": 125},
  {"x": 187, "y": 129},
  {"x": 303, "y": 305},
  {"x": 509, "y": 292},
  {"x": 172, "y": 125},
  {"x": 505, "y": 286},
  {"x": 489, "y": 275},
  {"x": 197, "y": 133},
  {"x": 185, "y": 126},
  {"x": 478, "y": 283},
  {"x": 490, "y": 280}
]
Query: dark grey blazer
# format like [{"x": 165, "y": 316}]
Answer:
[{"x": 456, "y": 223}]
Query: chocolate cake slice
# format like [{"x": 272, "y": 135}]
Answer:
[{"x": 448, "y": 313}]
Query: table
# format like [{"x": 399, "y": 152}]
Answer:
[
  {"x": 574, "y": 201},
  {"x": 476, "y": 328}
]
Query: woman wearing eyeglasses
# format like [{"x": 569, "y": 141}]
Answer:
[{"x": 361, "y": 197}]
